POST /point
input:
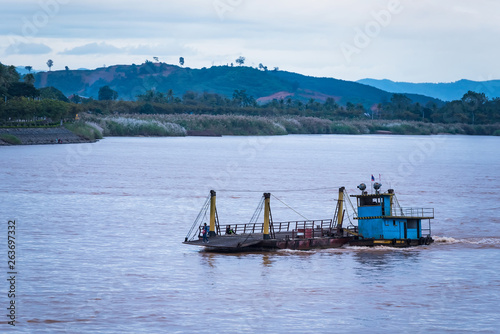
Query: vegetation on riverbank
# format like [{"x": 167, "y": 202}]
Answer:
[
  {"x": 164, "y": 114},
  {"x": 84, "y": 130},
  {"x": 180, "y": 125},
  {"x": 11, "y": 139}
]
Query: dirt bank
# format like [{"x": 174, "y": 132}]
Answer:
[{"x": 39, "y": 136}]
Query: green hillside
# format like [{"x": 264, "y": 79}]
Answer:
[
  {"x": 346, "y": 91},
  {"x": 332, "y": 106},
  {"x": 132, "y": 80}
]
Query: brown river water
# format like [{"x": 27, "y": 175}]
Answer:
[{"x": 99, "y": 231}]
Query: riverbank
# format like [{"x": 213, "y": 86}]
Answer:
[
  {"x": 240, "y": 125},
  {"x": 39, "y": 136},
  {"x": 91, "y": 128}
]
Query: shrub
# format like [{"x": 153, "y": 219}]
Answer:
[
  {"x": 344, "y": 129},
  {"x": 11, "y": 139},
  {"x": 84, "y": 130}
]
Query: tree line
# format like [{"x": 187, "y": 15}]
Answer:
[
  {"x": 473, "y": 108},
  {"x": 21, "y": 101}
]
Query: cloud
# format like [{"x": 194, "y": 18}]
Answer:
[
  {"x": 160, "y": 49},
  {"x": 166, "y": 48},
  {"x": 93, "y": 48},
  {"x": 20, "y": 48},
  {"x": 442, "y": 40}
]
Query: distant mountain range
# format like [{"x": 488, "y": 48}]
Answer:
[
  {"x": 22, "y": 70},
  {"x": 132, "y": 80},
  {"x": 443, "y": 91}
]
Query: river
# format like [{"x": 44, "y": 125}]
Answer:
[{"x": 99, "y": 231}]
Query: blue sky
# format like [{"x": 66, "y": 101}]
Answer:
[{"x": 401, "y": 40}]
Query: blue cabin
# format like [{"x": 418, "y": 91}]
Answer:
[{"x": 382, "y": 221}]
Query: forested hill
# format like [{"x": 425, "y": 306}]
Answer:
[
  {"x": 132, "y": 80},
  {"x": 443, "y": 91}
]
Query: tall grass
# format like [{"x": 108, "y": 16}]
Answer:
[
  {"x": 227, "y": 124},
  {"x": 134, "y": 126},
  {"x": 179, "y": 124},
  {"x": 84, "y": 130}
]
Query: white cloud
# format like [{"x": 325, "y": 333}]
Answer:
[
  {"x": 93, "y": 48},
  {"x": 426, "y": 40},
  {"x": 164, "y": 48},
  {"x": 27, "y": 49}
]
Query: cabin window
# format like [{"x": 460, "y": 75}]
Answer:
[
  {"x": 412, "y": 223},
  {"x": 369, "y": 201},
  {"x": 394, "y": 223}
]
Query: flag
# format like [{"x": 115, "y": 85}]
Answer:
[{"x": 373, "y": 178}]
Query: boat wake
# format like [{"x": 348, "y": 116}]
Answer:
[
  {"x": 382, "y": 248},
  {"x": 445, "y": 240},
  {"x": 492, "y": 242},
  {"x": 297, "y": 251}
]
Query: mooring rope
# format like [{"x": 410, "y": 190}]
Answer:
[
  {"x": 254, "y": 219},
  {"x": 201, "y": 216},
  {"x": 257, "y": 211},
  {"x": 350, "y": 202},
  {"x": 290, "y": 207}
]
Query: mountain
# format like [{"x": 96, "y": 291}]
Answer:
[
  {"x": 22, "y": 70},
  {"x": 132, "y": 80},
  {"x": 443, "y": 91}
]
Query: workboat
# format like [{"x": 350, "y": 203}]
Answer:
[
  {"x": 383, "y": 222},
  {"x": 380, "y": 222}
]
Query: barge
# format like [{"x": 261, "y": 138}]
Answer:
[{"x": 380, "y": 222}]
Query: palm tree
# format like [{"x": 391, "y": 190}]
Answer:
[
  {"x": 170, "y": 95},
  {"x": 50, "y": 63}
]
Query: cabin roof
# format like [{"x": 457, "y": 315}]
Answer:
[{"x": 373, "y": 195}]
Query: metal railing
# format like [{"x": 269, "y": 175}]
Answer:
[
  {"x": 413, "y": 212},
  {"x": 290, "y": 226},
  {"x": 302, "y": 225}
]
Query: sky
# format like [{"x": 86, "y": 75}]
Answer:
[{"x": 400, "y": 40}]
